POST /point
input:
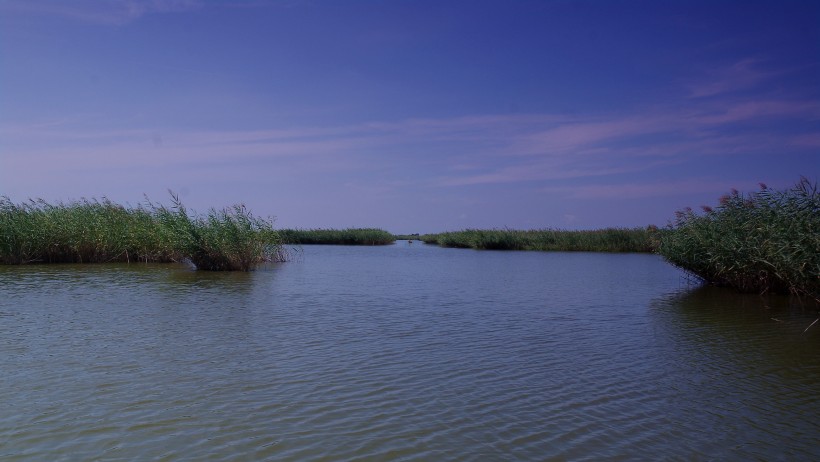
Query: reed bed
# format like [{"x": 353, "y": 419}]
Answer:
[
  {"x": 349, "y": 236},
  {"x": 765, "y": 241},
  {"x": 407, "y": 237},
  {"x": 602, "y": 240},
  {"x": 98, "y": 231}
]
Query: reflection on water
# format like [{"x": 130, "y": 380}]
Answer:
[
  {"x": 745, "y": 372},
  {"x": 402, "y": 352}
]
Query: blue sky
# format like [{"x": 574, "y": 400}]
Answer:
[{"x": 413, "y": 116}]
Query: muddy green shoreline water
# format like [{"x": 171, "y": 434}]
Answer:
[{"x": 402, "y": 352}]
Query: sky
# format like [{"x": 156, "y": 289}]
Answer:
[{"x": 412, "y": 116}]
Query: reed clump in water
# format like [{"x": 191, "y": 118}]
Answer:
[
  {"x": 98, "y": 231},
  {"x": 602, "y": 240},
  {"x": 768, "y": 240},
  {"x": 349, "y": 236},
  {"x": 230, "y": 239}
]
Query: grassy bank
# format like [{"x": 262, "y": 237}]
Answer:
[
  {"x": 97, "y": 231},
  {"x": 349, "y": 236},
  {"x": 764, "y": 241},
  {"x": 603, "y": 240}
]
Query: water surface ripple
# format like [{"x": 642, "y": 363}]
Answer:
[{"x": 406, "y": 352}]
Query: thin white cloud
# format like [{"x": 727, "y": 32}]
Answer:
[
  {"x": 461, "y": 151},
  {"x": 647, "y": 189},
  {"x": 811, "y": 140},
  {"x": 623, "y": 143},
  {"x": 107, "y": 12},
  {"x": 741, "y": 75},
  {"x": 750, "y": 110}
]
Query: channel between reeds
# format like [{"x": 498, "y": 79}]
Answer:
[{"x": 767, "y": 240}]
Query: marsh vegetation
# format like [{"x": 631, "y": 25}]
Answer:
[
  {"x": 349, "y": 236},
  {"x": 98, "y": 231},
  {"x": 764, "y": 241},
  {"x": 602, "y": 240}
]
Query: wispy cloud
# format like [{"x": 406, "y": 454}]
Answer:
[
  {"x": 458, "y": 151},
  {"x": 623, "y": 143},
  {"x": 811, "y": 140},
  {"x": 647, "y": 189},
  {"x": 750, "y": 110},
  {"x": 433, "y": 153},
  {"x": 741, "y": 75},
  {"x": 108, "y": 12}
]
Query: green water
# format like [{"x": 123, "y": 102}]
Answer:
[{"x": 404, "y": 352}]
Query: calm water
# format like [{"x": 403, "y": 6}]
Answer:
[{"x": 406, "y": 352}]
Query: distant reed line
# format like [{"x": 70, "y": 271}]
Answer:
[
  {"x": 602, "y": 240},
  {"x": 349, "y": 236},
  {"x": 606, "y": 240}
]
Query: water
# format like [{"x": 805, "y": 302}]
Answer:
[{"x": 405, "y": 352}]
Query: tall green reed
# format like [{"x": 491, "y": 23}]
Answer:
[
  {"x": 767, "y": 240},
  {"x": 95, "y": 231}
]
